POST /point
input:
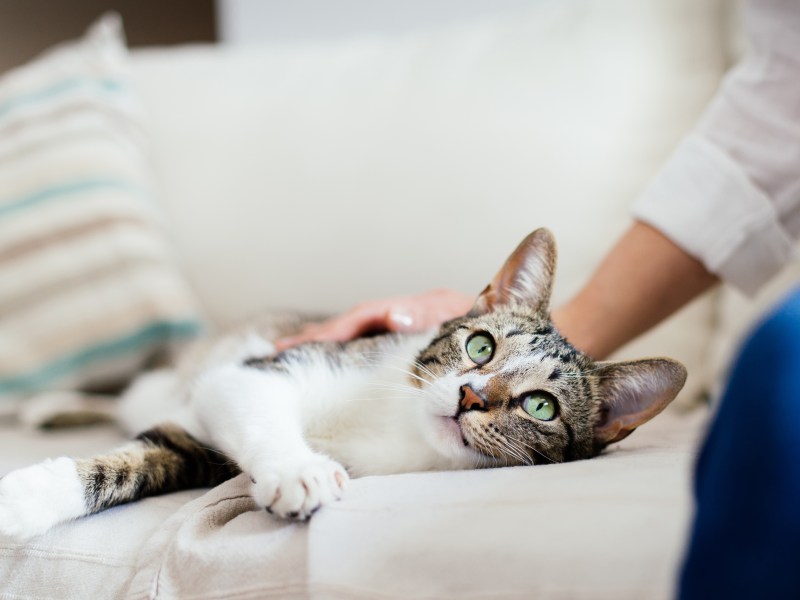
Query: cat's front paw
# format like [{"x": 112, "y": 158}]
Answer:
[
  {"x": 294, "y": 488},
  {"x": 35, "y": 498}
]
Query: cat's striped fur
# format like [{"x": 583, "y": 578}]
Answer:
[
  {"x": 298, "y": 422},
  {"x": 161, "y": 460}
]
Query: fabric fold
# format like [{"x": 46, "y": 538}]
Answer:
[{"x": 221, "y": 545}]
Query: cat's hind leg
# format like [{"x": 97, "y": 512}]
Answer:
[{"x": 161, "y": 460}]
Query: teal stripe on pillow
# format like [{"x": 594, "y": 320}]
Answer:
[
  {"x": 151, "y": 336},
  {"x": 56, "y": 89},
  {"x": 66, "y": 189}
]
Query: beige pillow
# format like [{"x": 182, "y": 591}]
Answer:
[{"x": 88, "y": 289}]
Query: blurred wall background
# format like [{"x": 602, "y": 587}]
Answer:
[
  {"x": 247, "y": 21},
  {"x": 29, "y": 26}
]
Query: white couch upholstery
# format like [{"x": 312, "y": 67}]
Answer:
[
  {"x": 313, "y": 176},
  {"x": 612, "y": 527}
]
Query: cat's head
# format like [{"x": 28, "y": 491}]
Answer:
[{"x": 502, "y": 386}]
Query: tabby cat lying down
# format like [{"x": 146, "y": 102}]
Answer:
[{"x": 498, "y": 386}]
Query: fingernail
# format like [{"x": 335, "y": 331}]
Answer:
[{"x": 401, "y": 318}]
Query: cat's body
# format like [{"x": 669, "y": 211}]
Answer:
[{"x": 496, "y": 387}]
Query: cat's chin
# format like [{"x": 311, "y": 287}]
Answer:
[
  {"x": 450, "y": 430},
  {"x": 444, "y": 435}
]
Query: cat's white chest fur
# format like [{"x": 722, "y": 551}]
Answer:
[
  {"x": 368, "y": 417},
  {"x": 371, "y": 422}
]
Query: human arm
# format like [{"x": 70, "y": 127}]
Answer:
[
  {"x": 643, "y": 279},
  {"x": 726, "y": 205},
  {"x": 730, "y": 193}
]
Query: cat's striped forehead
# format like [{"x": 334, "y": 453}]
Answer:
[{"x": 523, "y": 341}]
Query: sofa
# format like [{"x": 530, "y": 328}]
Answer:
[{"x": 312, "y": 175}]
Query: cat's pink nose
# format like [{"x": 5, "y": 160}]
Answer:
[{"x": 470, "y": 400}]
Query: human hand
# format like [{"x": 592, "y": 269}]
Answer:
[{"x": 407, "y": 314}]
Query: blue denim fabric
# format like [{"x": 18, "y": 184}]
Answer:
[{"x": 745, "y": 542}]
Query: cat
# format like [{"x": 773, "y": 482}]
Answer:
[{"x": 496, "y": 387}]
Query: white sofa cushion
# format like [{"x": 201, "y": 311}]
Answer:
[{"x": 612, "y": 527}]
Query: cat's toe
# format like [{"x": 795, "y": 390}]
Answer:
[
  {"x": 296, "y": 489},
  {"x": 35, "y": 498}
]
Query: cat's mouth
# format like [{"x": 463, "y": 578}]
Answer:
[{"x": 452, "y": 429}]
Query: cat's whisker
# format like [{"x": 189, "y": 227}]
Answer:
[
  {"x": 521, "y": 455},
  {"x": 379, "y": 365},
  {"x": 402, "y": 370},
  {"x": 484, "y": 447},
  {"x": 506, "y": 459},
  {"x": 581, "y": 376},
  {"x": 407, "y": 372},
  {"x": 394, "y": 386},
  {"x": 486, "y": 461},
  {"x": 539, "y": 452},
  {"x": 521, "y": 458},
  {"x": 485, "y": 457},
  {"x": 410, "y": 390},
  {"x": 513, "y": 450},
  {"x": 485, "y": 444},
  {"x": 381, "y": 394},
  {"x": 424, "y": 369}
]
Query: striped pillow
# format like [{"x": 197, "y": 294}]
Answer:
[{"x": 88, "y": 288}]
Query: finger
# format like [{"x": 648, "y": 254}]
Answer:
[
  {"x": 427, "y": 311},
  {"x": 405, "y": 320},
  {"x": 288, "y": 342},
  {"x": 339, "y": 329}
]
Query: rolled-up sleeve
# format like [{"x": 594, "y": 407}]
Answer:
[{"x": 730, "y": 193}]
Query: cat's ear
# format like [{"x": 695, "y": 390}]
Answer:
[
  {"x": 526, "y": 277},
  {"x": 633, "y": 392}
]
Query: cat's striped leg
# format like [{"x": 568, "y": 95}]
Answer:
[{"x": 161, "y": 460}]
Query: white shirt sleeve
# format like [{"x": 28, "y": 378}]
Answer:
[{"x": 730, "y": 193}]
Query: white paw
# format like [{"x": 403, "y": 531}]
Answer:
[
  {"x": 296, "y": 487},
  {"x": 35, "y": 498}
]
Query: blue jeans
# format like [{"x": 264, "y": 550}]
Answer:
[{"x": 745, "y": 542}]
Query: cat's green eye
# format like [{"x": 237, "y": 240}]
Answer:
[
  {"x": 540, "y": 405},
  {"x": 480, "y": 348}
]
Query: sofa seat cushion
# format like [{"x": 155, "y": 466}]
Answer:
[{"x": 558, "y": 531}]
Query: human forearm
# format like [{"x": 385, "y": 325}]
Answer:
[{"x": 644, "y": 279}]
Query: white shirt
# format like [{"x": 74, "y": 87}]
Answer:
[{"x": 730, "y": 194}]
